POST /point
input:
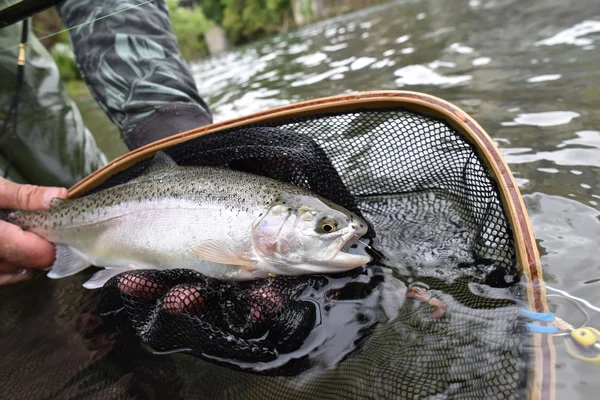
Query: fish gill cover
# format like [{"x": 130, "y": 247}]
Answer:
[{"x": 436, "y": 219}]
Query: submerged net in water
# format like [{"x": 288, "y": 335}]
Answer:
[{"x": 436, "y": 219}]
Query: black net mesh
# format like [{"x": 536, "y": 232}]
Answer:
[
  {"x": 259, "y": 326},
  {"x": 436, "y": 220}
]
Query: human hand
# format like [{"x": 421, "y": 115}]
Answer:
[{"x": 21, "y": 250}]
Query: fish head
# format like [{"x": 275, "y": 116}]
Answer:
[{"x": 305, "y": 234}]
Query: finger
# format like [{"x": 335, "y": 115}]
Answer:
[
  {"x": 7, "y": 279},
  {"x": 24, "y": 249},
  {"x": 27, "y": 197},
  {"x": 7, "y": 268}
]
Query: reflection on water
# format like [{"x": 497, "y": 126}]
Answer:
[{"x": 527, "y": 71}]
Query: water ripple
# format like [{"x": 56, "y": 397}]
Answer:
[
  {"x": 312, "y": 60},
  {"x": 573, "y": 35},
  {"x": 584, "y": 138},
  {"x": 460, "y": 49},
  {"x": 335, "y": 47},
  {"x": 580, "y": 157},
  {"x": 550, "y": 118},
  {"x": 315, "y": 78},
  {"x": 421, "y": 75},
  {"x": 402, "y": 39},
  {"x": 362, "y": 62},
  {"x": 544, "y": 78}
]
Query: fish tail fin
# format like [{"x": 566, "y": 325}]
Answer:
[
  {"x": 68, "y": 262},
  {"x": 4, "y": 214},
  {"x": 101, "y": 277}
]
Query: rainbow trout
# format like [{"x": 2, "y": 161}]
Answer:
[{"x": 223, "y": 223}]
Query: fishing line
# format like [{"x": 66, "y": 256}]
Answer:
[
  {"x": 577, "y": 299},
  {"x": 368, "y": 246},
  {"x": 83, "y": 24}
]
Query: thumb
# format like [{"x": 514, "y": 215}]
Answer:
[{"x": 27, "y": 197}]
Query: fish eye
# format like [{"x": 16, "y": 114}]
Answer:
[{"x": 327, "y": 226}]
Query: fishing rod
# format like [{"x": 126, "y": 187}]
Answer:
[{"x": 23, "y": 10}]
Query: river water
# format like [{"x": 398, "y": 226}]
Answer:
[{"x": 528, "y": 72}]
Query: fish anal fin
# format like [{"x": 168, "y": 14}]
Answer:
[
  {"x": 161, "y": 161},
  {"x": 68, "y": 262},
  {"x": 101, "y": 277},
  {"x": 217, "y": 252}
]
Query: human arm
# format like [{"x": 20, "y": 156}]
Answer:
[{"x": 133, "y": 66}]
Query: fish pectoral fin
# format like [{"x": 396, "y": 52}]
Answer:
[
  {"x": 101, "y": 277},
  {"x": 217, "y": 252},
  {"x": 68, "y": 262}
]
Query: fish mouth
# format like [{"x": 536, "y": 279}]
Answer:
[
  {"x": 350, "y": 237},
  {"x": 354, "y": 239},
  {"x": 340, "y": 263},
  {"x": 343, "y": 259}
]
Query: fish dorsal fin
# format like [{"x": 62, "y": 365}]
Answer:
[
  {"x": 56, "y": 201},
  {"x": 217, "y": 252},
  {"x": 161, "y": 161}
]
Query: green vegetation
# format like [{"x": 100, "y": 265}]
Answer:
[
  {"x": 189, "y": 25},
  {"x": 247, "y": 20},
  {"x": 77, "y": 90},
  {"x": 65, "y": 60}
]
